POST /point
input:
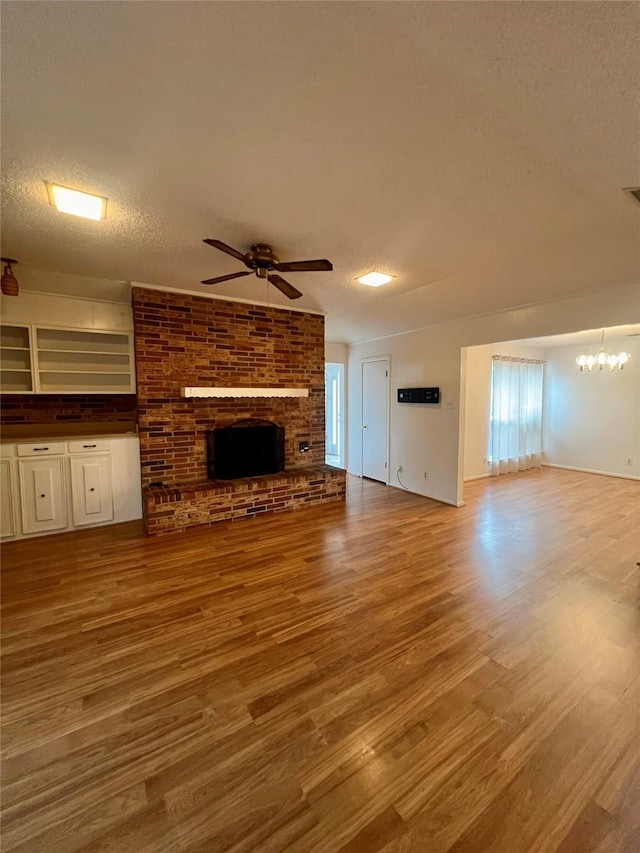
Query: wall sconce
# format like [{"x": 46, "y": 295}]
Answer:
[{"x": 9, "y": 282}]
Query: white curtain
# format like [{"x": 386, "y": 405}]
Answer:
[{"x": 516, "y": 415}]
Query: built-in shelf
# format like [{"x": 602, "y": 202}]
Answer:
[
  {"x": 15, "y": 360},
  {"x": 45, "y": 360},
  {"x": 245, "y": 392}
]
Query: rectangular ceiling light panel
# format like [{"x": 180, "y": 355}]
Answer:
[
  {"x": 77, "y": 203},
  {"x": 375, "y": 279}
]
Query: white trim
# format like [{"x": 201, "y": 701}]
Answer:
[
  {"x": 245, "y": 392},
  {"x": 85, "y": 299},
  {"x": 476, "y": 477},
  {"x": 214, "y": 296},
  {"x": 591, "y": 471},
  {"x": 429, "y": 497}
]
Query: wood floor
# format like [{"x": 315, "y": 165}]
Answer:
[{"x": 391, "y": 675}]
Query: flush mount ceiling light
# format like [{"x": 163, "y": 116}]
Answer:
[
  {"x": 375, "y": 279},
  {"x": 77, "y": 203},
  {"x": 603, "y": 358}
]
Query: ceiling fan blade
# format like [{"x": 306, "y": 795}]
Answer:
[
  {"x": 224, "y": 277},
  {"x": 284, "y": 286},
  {"x": 320, "y": 265},
  {"x": 218, "y": 244}
]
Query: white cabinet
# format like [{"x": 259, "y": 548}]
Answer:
[
  {"x": 15, "y": 360},
  {"x": 7, "y": 500},
  {"x": 47, "y": 360},
  {"x": 54, "y": 344},
  {"x": 49, "y": 486},
  {"x": 91, "y": 489},
  {"x": 70, "y": 361},
  {"x": 42, "y": 494}
]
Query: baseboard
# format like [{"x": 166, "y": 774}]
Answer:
[
  {"x": 429, "y": 497},
  {"x": 476, "y": 477},
  {"x": 591, "y": 471}
]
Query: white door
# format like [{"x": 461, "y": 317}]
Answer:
[
  {"x": 42, "y": 494},
  {"x": 375, "y": 419},
  {"x": 7, "y": 510},
  {"x": 91, "y": 492}
]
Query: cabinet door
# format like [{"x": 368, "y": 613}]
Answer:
[
  {"x": 42, "y": 494},
  {"x": 91, "y": 489},
  {"x": 7, "y": 507}
]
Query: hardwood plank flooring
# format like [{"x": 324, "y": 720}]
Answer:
[{"x": 387, "y": 676}]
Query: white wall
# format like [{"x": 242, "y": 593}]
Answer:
[
  {"x": 432, "y": 438},
  {"x": 57, "y": 299},
  {"x": 66, "y": 284},
  {"x": 336, "y": 353},
  {"x": 478, "y": 401},
  {"x": 591, "y": 420}
]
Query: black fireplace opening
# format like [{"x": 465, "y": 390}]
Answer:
[{"x": 246, "y": 448}]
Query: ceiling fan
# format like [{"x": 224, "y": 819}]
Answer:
[{"x": 261, "y": 261}]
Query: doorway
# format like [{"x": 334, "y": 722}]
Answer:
[
  {"x": 375, "y": 419},
  {"x": 334, "y": 418}
]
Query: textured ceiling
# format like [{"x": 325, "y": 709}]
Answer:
[
  {"x": 476, "y": 151},
  {"x": 589, "y": 337}
]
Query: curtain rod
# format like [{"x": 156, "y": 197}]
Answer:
[{"x": 520, "y": 360}]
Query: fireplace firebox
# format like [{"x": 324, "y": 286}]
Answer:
[{"x": 246, "y": 448}]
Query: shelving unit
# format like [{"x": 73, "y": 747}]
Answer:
[
  {"x": 74, "y": 361},
  {"x": 16, "y": 375},
  {"x": 45, "y": 360}
]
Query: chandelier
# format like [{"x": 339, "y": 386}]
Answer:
[{"x": 602, "y": 359}]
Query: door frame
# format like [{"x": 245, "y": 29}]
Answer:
[{"x": 363, "y": 361}]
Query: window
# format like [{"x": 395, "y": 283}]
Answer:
[{"x": 515, "y": 442}]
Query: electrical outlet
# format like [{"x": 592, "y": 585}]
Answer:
[
  {"x": 426, "y": 475},
  {"x": 449, "y": 404},
  {"x": 400, "y": 469},
  {"x": 629, "y": 461},
  {"x": 484, "y": 460}
]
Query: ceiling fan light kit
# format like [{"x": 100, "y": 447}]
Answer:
[{"x": 261, "y": 260}]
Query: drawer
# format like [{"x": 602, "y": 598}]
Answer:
[
  {"x": 41, "y": 448},
  {"x": 7, "y": 451},
  {"x": 89, "y": 445}
]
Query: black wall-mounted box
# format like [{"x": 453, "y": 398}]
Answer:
[{"x": 418, "y": 395}]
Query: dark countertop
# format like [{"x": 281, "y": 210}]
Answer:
[{"x": 63, "y": 431}]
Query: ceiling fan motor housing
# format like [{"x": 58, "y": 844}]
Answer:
[{"x": 261, "y": 258}]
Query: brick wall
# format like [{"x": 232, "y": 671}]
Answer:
[
  {"x": 65, "y": 408},
  {"x": 189, "y": 340}
]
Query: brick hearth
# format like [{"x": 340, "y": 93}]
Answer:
[{"x": 184, "y": 340}]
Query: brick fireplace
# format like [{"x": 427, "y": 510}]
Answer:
[{"x": 183, "y": 341}]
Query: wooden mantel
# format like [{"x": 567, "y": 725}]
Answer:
[{"x": 245, "y": 392}]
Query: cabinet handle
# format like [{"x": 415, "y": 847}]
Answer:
[
  {"x": 40, "y": 448},
  {"x": 43, "y": 496},
  {"x": 89, "y": 445},
  {"x": 92, "y": 489}
]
